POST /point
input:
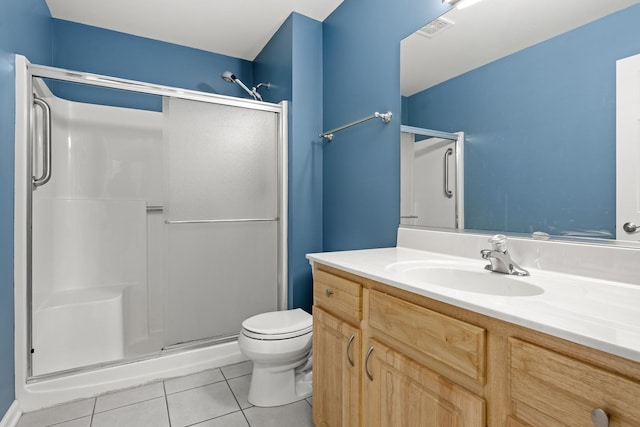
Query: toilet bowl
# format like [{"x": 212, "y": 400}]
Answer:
[{"x": 279, "y": 345}]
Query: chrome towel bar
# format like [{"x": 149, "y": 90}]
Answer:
[
  {"x": 386, "y": 118},
  {"x": 219, "y": 221}
]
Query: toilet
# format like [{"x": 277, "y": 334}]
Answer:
[{"x": 279, "y": 345}]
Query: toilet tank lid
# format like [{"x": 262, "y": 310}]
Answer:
[{"x": 279, "y": 322}]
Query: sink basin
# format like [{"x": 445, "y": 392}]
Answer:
[{"x": 465, "y": 277}]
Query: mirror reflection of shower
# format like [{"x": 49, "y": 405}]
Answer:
[{"x": 229, "y": 77}]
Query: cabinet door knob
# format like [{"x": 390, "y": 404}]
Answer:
[
  {"x": 600, "y": 418},
  {"x": 328, "y": 292},
  {"x": 366, "y": 364},
  {"x": 348, "y": 347}
]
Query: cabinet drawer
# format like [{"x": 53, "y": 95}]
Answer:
[
  {"x": 454, "y": 343},
  {"x": 337, "y": 295},
  {"x": 551, "y": 388}
]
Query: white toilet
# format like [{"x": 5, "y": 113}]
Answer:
[{"x": 279, "y": 345}]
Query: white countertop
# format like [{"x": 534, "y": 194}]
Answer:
[{"x": 601, "y": 314}]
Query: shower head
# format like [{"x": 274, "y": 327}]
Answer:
[{"x": 228, "y": 77}]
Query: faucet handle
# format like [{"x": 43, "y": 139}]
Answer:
[{"x": 498, "y": 242}]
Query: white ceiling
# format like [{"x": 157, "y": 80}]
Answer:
[
  {"x": 490, "y": 30},
  {"x": 238, "y": 28}
]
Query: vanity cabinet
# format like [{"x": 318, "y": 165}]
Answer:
[
  {"x": 387, "y": 357},
  {"x": 337, "y": 343},
  {"x": 550, "y": 388},
  {"x": 393, "y": 389}
]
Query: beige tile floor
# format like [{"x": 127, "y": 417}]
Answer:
[{"x": 213, "y": 398}]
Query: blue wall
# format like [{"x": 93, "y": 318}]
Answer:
[
  {"x": 305, "y": 158},
  {"x": 540, "y": 130},
  {"x": 361, "y": 167},
  {"x": 25, "y": 28},
  {"x": 292, "y": 62},
  {"x": 274, "y": 64},
  {"x": 85, "y": 48}
]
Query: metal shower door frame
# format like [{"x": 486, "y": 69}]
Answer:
[{"x": 40, "y": 71}]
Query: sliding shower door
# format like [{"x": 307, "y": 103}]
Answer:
[
  {"x": 222, "y": 217},
  {"x": 162, "y": 225}
]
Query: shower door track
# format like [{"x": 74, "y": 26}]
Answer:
[
  {"x": 41, "y": 71},
  {"x": 171, "y": 349},
  {"x": 205, "y": 342},
  {"x": 143, "y": 87}
]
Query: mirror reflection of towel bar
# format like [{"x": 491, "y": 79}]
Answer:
[{"x": 218, "y": 221}]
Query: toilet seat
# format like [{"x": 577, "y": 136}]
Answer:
[{"x": 278, "y": 325}]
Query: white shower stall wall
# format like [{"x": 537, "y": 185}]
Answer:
[{"x": 92, "y": 300}]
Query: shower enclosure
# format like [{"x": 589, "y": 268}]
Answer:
[
  {"x": 152, "y": 222},
  {"x": 431, "y": 178}
]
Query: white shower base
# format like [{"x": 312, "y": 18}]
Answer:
[{"x": 50, "y": 392}]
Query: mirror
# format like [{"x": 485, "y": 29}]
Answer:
[{"x": 532, "y": 84}]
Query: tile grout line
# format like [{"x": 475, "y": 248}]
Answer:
[
  {"x": 66, "y": 421},
  {"x": 236, "y": 399},
  {"x": 245, "y": 417},
  {"x": 210, "y": 419},
  {"x": 194, "y": 387},
  {"x": 126, "y": 405},
  {"x": 166, "y": 402},
  {"x": 95, "y": 403}
]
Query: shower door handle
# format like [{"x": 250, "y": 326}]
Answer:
[
  {"x": 46, "y": 143},
  {"x": 447, "y": 191}
]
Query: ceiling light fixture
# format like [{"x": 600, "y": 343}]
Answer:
[{"x": 461, "y": 4}]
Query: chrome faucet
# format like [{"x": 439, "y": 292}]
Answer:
[{"x": 500, "y": 258}]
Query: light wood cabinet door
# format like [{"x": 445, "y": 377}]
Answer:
[
  {"x": 336, "y": 371},
  {"x": 552, "y": 389},
  {"x": 399, "y": 392}
]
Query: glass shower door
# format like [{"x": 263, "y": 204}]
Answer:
[{"x": 221, "y": 216}]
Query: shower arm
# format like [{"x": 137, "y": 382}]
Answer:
[{"x": 254, "y": 93}]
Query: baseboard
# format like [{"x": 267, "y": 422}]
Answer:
[{"x": 12, "y": 416}]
